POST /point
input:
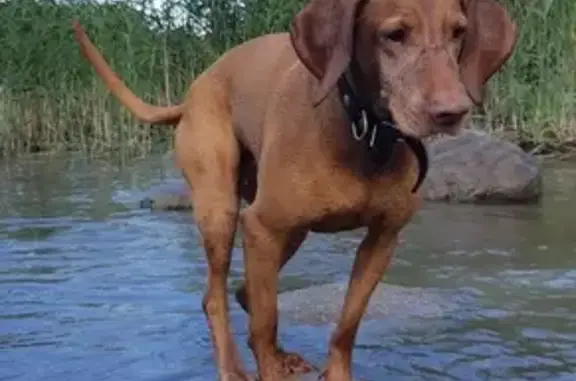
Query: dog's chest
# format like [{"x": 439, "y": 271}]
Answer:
[{"x": 355, "y": 204}]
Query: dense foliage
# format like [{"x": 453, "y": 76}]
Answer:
[{"x": 51, "y": 100}]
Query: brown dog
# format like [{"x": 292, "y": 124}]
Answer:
[{"x": 318, "y": 131}]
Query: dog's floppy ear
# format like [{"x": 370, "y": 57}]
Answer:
[
  {"x": 322, "y": 34},
  {"x": 488, "y": 44}
]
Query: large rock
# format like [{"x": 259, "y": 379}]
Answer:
[
  {"x": 471, "y": 167},
  {"x": 476, "y": 167}
]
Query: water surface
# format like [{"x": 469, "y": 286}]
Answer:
[{"x": 91, "y": 288}]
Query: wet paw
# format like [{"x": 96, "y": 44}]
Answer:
[{"x": 293, "y": 363}]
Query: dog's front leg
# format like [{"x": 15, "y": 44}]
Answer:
[
  {"x": 371, "y": 262},
  {"x": 264, "y": 249},
  {"x": 292, "y": 362}
]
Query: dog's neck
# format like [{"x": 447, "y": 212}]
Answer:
[{"x": 378, "y": 135}]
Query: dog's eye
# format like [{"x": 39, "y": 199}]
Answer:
[
  {"x": 458, "y": 32},
  {"x": 396, "y": 35}
]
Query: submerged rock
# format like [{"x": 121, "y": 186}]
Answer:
[
  {"x": 172, "y": 201},
  {"x": 320, "y": 305},
  {"x": 476, "y": 167},
  {"x": 171, "y": 195}
]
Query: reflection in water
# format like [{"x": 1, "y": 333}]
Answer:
[{"x": 94, "y": 289}]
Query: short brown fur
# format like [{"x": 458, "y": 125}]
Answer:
[{"x": 274, "y": 133}]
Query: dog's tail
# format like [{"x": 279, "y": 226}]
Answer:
[{"x": 144, "y": 112}]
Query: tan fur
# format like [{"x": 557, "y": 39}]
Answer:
[{"x": 269, "y": 108}]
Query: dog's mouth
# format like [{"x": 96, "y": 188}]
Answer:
[
  {"x": 421, "y": 120},
  {"x": 451, "y": 129},
  {"x": 447, "y": 130},
  {"x": 420, "y": 125}
]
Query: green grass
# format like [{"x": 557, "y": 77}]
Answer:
[
  {"x": 50, "y": 99},
  {"x": 533, "y": 99}
]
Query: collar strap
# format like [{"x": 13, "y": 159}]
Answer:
[{"x": 379, "y": 135}]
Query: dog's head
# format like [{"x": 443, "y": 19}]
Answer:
[{"x": 426, "y": 60}]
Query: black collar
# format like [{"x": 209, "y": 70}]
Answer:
[{"x": 379, "y": 135}]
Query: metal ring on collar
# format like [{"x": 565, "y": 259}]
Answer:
[
  {"x": 373, "y": 136},
  {"x": 364, "y": 121}
]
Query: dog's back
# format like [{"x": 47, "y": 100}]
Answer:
[{"x": 250, "y": 74}]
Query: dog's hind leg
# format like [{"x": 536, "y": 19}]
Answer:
[{"x": 208, "y": 154}]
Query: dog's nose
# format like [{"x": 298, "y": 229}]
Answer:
[
  {"x": 448, "y": 115},
  {"x": 448, "y": 108}
]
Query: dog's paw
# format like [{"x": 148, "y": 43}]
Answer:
[
  {"x": 293, "y": 363},
  {"x": 292, "y": 367}
]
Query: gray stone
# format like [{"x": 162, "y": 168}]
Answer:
[
  {"x": 169, "y": 201},
  {"x": 171, "y": 195},
  {"x": 476, "y": 167},
  {"x": 320, "y": 305}
]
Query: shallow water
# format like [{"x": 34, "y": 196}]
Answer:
[{"x": 92, "y": 288}]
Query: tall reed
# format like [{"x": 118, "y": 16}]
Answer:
[{"x": 533, "y": 99}]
